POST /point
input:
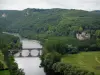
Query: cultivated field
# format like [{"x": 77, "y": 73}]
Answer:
[{"x": 85, "y": 60}]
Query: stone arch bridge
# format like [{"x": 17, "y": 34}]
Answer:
[{"x": 29, "y": 49}]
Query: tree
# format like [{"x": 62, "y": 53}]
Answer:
[
  {"x": 98, "y": 42},
  {"x": 80, "y": 29},
  {"x": 51, "y": 58},
  {"x": 97, "y": 33},
  {"x": 68, "y": 69},
  {"x": 20, "y": 72}
]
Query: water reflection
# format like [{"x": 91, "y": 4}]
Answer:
[{"x": 30, "y": 65}]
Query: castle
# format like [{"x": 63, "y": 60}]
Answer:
[{"x": 83, "y": 36}]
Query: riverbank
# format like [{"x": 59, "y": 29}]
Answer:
[
  {"x": 9, "y": 42},
  {"x": 34, "y": 62}
]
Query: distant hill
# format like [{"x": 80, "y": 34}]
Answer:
[{"x": 59, "y": 22}]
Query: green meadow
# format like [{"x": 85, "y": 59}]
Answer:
[{"x": 85, "y": 60}]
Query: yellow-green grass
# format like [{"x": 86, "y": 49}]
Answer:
[
  {"x": 3, "y": 72},
  {"x": 86, "y": 60}
]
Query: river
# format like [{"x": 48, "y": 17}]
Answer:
[{"x": 30, "y": 65}]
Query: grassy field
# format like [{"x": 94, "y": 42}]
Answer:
[
  {"x": 3, "y": 72},
  {"x": 85, "y": 60}
]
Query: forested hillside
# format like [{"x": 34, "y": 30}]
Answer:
[
  {"x": 59, "y": 22},
  {"x": 56, "y": 28}
]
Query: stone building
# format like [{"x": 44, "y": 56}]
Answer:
[{"x": 83, "y": 36}]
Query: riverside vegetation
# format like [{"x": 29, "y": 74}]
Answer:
[
  {"x": 7, "y": 62},
  {"x": 63, "y": 53}
]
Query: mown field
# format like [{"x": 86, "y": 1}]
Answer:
[
  {"x": 85, "y": 60},
  {"x": 3, "y": 72}
]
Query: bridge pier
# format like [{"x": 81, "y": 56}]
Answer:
[
  {"x": 20, "y": 55},
  {"x": 30, "y": 55},
  {"x": 39, "y": 53}
]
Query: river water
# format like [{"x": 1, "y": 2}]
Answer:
[{"x": 30, "y": 65}]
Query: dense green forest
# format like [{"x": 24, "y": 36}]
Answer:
[
  {"x": 49, "y": 22},
  {"x": 57, "y": 29}
]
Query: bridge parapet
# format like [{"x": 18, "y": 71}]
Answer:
[
  {"x": 31, "y": 48},
  {"x": 27, "y": 49}
]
